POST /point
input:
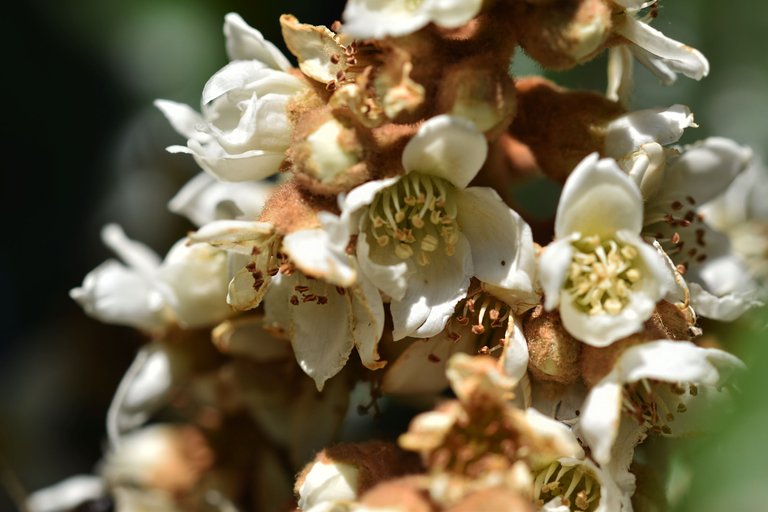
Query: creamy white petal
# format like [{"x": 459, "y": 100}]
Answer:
[
  {"x": 432, "y": 294},
  {"x": 183, "y": 118},
  {"x": 514, "y": 357},
  {"x": 598, "y": 198},
  {"x": 234, "y": 235},
  {"x": 198, "y": 278},
  {"x": 627, "y": 133},
  {"x": 376, "y": 19},
  {"x": 554, "y": 262},
  {"x": 137, "y": 255},
  {"x": 367, "y": 322},
  {"x": 320, "y": 333},
  {"x": 143, "y": 390},
  {"x": 204, "y": 199},
  {"x": 359, "y": 198},
  {"x": 248, "y": 166},
  {"x": 320, "y": 55},
  {"x": 391, "y": 276},
  {"x": 247, "y": 77},
  {"x": 246, "y": 43},
  {"x": 676, "y": 361},
  {"x": 452, "y": 13},
  {"x": 600, "y": 417},
  {"x": 263, "y": 125},
  {"x": 502, "y": 244},
  {"x": 559, "y": 435},
  {"x": 420, "y": 369},
  {"x": 725, "y": 308},
  {"x": 67, "y": 495},
  {"x": 321, "y": 252},
  {"x": 328, "y": 482},
  {"x": 679, "y": 57},
  {"x": 448, "y": 147},
  {"x": 115, "y": 294},
  {"x": 620, "y": 83},
  {"x": 245, "y": 336}
]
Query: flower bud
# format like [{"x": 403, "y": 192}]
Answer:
[
  {"x": 560, "y": 127},
  {"x": 553, "y": 354}
]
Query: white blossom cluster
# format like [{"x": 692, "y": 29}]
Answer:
[{"x": 362, "y": 200}]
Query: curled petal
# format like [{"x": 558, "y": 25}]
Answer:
[
  {"x": 448, "y": 147},
  {"x": 246, "y": 43},
  {"x": 594, "y": 188}
]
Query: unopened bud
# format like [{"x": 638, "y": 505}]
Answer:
[
  {"x": 560, "y": 35},
  {"x": 553, "y": 354}
]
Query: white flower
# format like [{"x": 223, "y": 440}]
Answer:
[
  {"x": 423, "y": 235},
  {"x": 603, "y": 276},
  {"x": 653, "y": 385},
  {"x": 376, "y": 19},
  {"x": 310, "y": 287},
  {"x": 243, "y": 131},
  {"x": 662, "y": 55},
  {"x": 187, "y": 288},
  {"x": 719, "y": 281}
]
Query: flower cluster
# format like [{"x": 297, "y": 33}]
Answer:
[{"x": 361, "y": 200}]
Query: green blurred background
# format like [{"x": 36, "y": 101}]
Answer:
[{"x": 83, "y": 146}]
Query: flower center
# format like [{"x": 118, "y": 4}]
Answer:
[
  {"x": 654, "y": 403},
  {"x": 415, "y": 217},
  {"x": 602, "y": 274},
  {"x": 576, "y": 486}
]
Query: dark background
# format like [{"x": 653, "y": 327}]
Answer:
[{"x": 83, "y": 146}]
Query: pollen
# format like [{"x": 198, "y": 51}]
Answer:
[
  {"x": 602, "y": 274},
  {"x": 415, "y": 218}
]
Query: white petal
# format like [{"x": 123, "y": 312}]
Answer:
[
  {"x": 317, "y": 49},
  {"x": 600, "y": 417},
  {"x": 184, "y": 119},
  {"x": 679, "y": 57},
  {"x": 598, "y": 198},
  {"x": 367, "y": 322},
  {"x": 245, "y": 336},
  {"x": 66, "y": 495},
  {"x": 559, "y": 435},
  {"x": 376, "y": 20},
  {"x": 514, "y": 357},
  {"x": 235, "y": 235},
  {"x": 703, "y": 171},
  {"x": 620, "y": 82},
  {"x": 448, "y": 147},
  {"x": 246, "y": 43},
  {"x": 137, "y": 255},
  {"x": 204, "y": 199},
  {"x": 321, "y": 333},
  {"x": 432, "y": 294},
  {"x": 360, "y": 197},
  {"x": 676, "y": 361},
  {"x": 452, "y": 13},
  {"x": 247, "y": 166},
  {"x": 115, "y": 294},
  {"x": 502, "y": 245},
  {"x": 328, "y": 482},
  {"x": 726, "y": 308},
  {"x": 391, "y": 277},
  {"x": 144, "y": 389},
  {"x": 246, "y": 77},
  {"x": 420, "y": 369},
  {"x": 321, "y": 252},
  {"x": 197, "y": 276},
  {"x": 554, "y": 263},
  {"x": 627, "y": 133}
]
